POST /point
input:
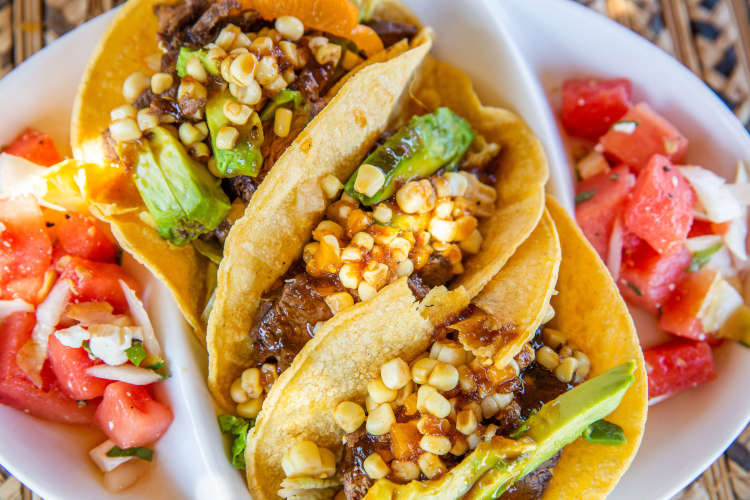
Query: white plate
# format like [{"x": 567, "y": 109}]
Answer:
[{"x": 684, "y": 435}]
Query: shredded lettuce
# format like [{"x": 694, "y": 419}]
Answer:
[{"x": 237, "y": 427}]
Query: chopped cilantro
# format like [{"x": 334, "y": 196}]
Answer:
[
  {"x": 584, "y": 196},
  {"x": 138, "y": 451},
  {"x": 635, "y": 289},
  {"x": 614, "y": 176},
  {"x": 701, "y": 257},
  {"x": 87, "y": 348},
  {"x": 603, "y": 432},
  {"x": 136, "y": 353},
  {"x": 237, "y": 427}
]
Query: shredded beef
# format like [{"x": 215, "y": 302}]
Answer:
[
  {"x": 438, "y": 271},
  {"x": 242, "y": 187},
  {"x": 539, "y": 386},
  {"x": 358, "y": 446},
  {"x": 314, "y": 80},
  {"x": 533, "y": 485},
  {"x": 391, "y": 32}
]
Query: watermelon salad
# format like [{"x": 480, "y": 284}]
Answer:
[
  {"x": 76, "y": 343},
  {"x": 673, "y": 235}
]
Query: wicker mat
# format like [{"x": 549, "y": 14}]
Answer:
[{"x": 711, "y": 37}]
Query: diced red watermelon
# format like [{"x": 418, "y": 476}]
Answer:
[
  {"x": 81, "y": 237},
  {"x": 35, "y": 146},
  {"x": 660, "y": 207},
  {"x": 25, "y": 249},
  {"x": 652, "y": 135},
  {"x": 18, "y": 391},
  {"x": 96, "y": 281},
  {"x": 648, "y": 278},
  {"x": 130, "y": 417},
  {"x": 604, "y": 194},
  {"x": 590, "y": 106},
  {"x": 678, "y": 365},
  {"x": 680, "y": 311},
  {"x": 69, "y": 365}
]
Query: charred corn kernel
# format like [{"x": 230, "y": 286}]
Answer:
[
  {"x": 135, "y": 84},
  {"x": 421, "y": 370},
  {"x": 465, "y": 227},
  {"x": 370, "y": 404},
  {"x": 375, "y": 274},
  {"x": 250, "y": 95},
  {"x": 363, "y": 240},
  {"x": 466, "y": 422},
  {"x": 282, "y": 122},
  {"x": 426, "y": 423},
  {"x": 380, "y": 420},
  {"x": 375, "y": 466},
  {"x": 405, "y": 470},
  {"x": 309, "y": 251},
  {"x": 439, "y": 445},
  {"x": 262, "y": 45},
  {"x": 153, "y": 61},
  {"x": 289, "y": 27},
  {"x": 466, "y": 379},
  {"x": 237, "y": 113},
  {"x": 547, "y": 358},
  {"x": 444, "y": 377},
  {"x": 369, "y": 180},
  {"x": 457, "y": 182},
  {"x": 167, "y": 118},
  {"x": 289, "y": 50},
  {"x": 194, "y": 67},
  {"x": 242, "y": 69},
  {"x": 327, "y": 227},
  {"x": 416, "y": 197},
  {"x": 444, "y": 209},
  {"x": 351, "y": 254},
  {"x": 553, "y": 338},
  {"x": 216, "y": 54},
  {"x": 460, "y": 447},
  {"x": 147, "y": 119},
  {"x": 384, "y": 235},
  {"x": 379, "y": 392},
  {"x": 227, "y": 137},
  {"x": 339, "y": 301},
  {"x": 423, "y": 393},
  {"x": 349, "y": 276},
  {"x": 403, "y": 394},
  {"x": 225, "y": 70},
  {"x": 277, "y": 85},
  {"x": 437, "y": 405},
  {"x": 566, "y": 369},
  {"x": 404, "y": 268},
  {"x": 493, "y": 403},
  {"x": 332, "y": 243},
  {"x": 251, "y": 382},
  {"x": 226, "y": 38},
  {"x": 200, "y": 151},
  {"x": 395, "y": 373},
  {"x": 236, "y": 391},
  {"x": 328, "y": 54},
  {"x": 583, "y": 365},
  {"x": 349, "y": 416},
  {"x": 366, "y": 291},
  {"x": 125, "y": 130},
  {"x": 266, "y": 70},
  {"x": 189, "y": 134},
  {"x": 400, "y": 244},
  {"x": 241, "y": 41},
  {"x": 250, "y": 408},
  {"x": 490, "y": 432},
  {"x": 448, "y": 352},
  {"x": 302, "y": 459},
  {"x": 191, "y": 89},
  {"x": 382, "y": 213},
  {"x": 331, "y": 186},
  {"x": 120, "y": 112},
  {"x": 565, "y": 351},
  {"x": 443, "y": 230},
  {"x": 473, "y": 243},
  {"x": 430, "y": 465},
  {"x": 350, "y": 60},
  {"x": 549, "y": 314},
  {"x": 289, "y": 76}
]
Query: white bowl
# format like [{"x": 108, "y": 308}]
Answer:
[{"x": 513, "y": 51}]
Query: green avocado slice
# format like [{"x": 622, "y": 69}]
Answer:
[
  {"x": 186, "y": 54},
  {"x": 428, "y": 143},
  {"x": 245, "y": 158},
  {"x": 490, "y": 469}
]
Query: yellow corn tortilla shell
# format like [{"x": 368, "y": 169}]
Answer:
[
  {"x": 274, "y": 229},
  {"x": 591, "y": 313},
  {"x": 122, "y": 50}
]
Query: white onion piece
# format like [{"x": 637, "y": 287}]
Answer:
[
  {"x": 736, "y": 238},
  {"x": 719, "y": 203},
  {"x": 8, "y": 307},
  {"x": 105, "y": 463},
  {"x": 72, "y": 336},
  {"x": 96, "y": 313},
  {"x": 741, "y": 193},
  {"x": 20, "y": 177},
  {"x": 150, "y": 342},
  {"x": 698, "y": 243},
  {"x": 720, "y": 302},
  {"x": 125, "y": 476},
  {"x": 614, "y": 255},
  {"x": 125, "y": 373},
  {"x": 722, "y": 262}
]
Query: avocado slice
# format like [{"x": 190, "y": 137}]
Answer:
[
  {"x": 245, "y": 158},
  {"x": 494, "y": 466},
  {"x": 186, "y": 54},
  {"x": 286, "y": 96},
  {"x": 428, "y": 143},
  {"x": 181, "y": 195}
]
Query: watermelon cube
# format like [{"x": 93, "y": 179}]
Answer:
[
  {"x": 680, "y": 312},
  {"x": 678, "y": 365},
  {"x": 591, "y": 106}
]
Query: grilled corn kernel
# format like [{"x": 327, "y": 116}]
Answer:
[
  {"x": 289, "y": 27},
  {"x": 404, "y": 393},
  {"x": 548, "y": 315},
  {"x": 405, "y": 470},
  {"x": 339, "y": 301},
  {"x": 135, "y": 84},
  {"x": 237, "y": 113},
  {"x": 250, "y": 408},
  {"x": 262, "y": 45},
  {"x": 309, "y": 251},
  {"x": 189, "y": 134},
  {"x": 328, "y": 54},
  {"x": 421, "y": 370},
  {"x": 370, "y": 404},
  {"x": 457, "y": 182},
  {"x": 267, "y": 70},
  {"x": 382, "y": 213},
  {"x": 302, "y": 459},
  {"x": 366, "y": 291},
  {"x": 349, "y": 416},
  {"x": 200, "y": 151},
  {"x": 331, "y": 243},
  {"x": 439, "y": 445},
  {"x": 327, "y": 464},
  {"x": 444, "y": 377},
  {"x": 216, "y": 54},
  {"x": 369, "y": 180},
  {"x": 331, "y": 186},
  {"x": 327, "y": 227},
  {"x": 363, "y": 240},
  {"x": 466, "y": 422},
  {"x": 349, "y": 276},
  {"x": 380, "y": 420},
  {"x": 553, "y": 338},
  {"x": 153, "y": 61},
  {"x": 395, "y": 373},
  {"x": 250, "y": 95},
  {"x": 167, "y": 118},
  {"x": 465, "y": 227},
  {"x": 437, "y": 405},
  {"x": 226, "y": 38},
  {"x": 251, "y": 382},
  {"x": 282, "y": 122},
  {"x": 444, "y": 209},
  {"x": 443, "y": 230},
  {"x": 146, "y": 119},
  {"x": 404, "y": 268},
  {"x": 289, "y": 50},
  {"x": 566, "y": 369},
  {"x": 423, "y": 393},
  {"x": 466, "y": 379},
  {"x": 379, "y": 392},
  {"x": 191, "y": 89},
  {"x": 430, "y": 465},
  {"x": 547, "y": 358},
  {"x": 473, "y": 243},
  {"x": 351, "y": 254},
  {"x": 448, "y": 352},
  {"x": 565, "y": 351},
  {"x": 241, "y": 41},
  {"x": 350, "y": 60},
  {"x": 583, "y": 367},
  {"x": 416, "y": 197},
  {"x": 194, "y": 68},
  {"x": 243, "y": 69},
  {"x": 125, "y": 130},
  {"x": 375, "y": 466},
  {"x": 375, "y": 274},
  {"x": 236, "y": 391},
  {"x": 227, "y": 137},
  {"x": 120, "y": 112},
  {"x": 460, "y": 447},
  {"x": 493, "y": 403}
]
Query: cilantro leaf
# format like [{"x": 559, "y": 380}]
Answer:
[
  {"x": 138, "y": 451},
  {"x": 603, "y": 432},
  {"x": 136, "y": 353},
  {"x": 701, "y": 257},
  {"x": 635, "y": 289},
  {"x": 585, "y": 195},
  {"x": 237, "y": 427}
]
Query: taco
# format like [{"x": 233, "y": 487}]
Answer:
[
  {"x": 191, "y": 105},
  {"x": 408, "y": 411}
]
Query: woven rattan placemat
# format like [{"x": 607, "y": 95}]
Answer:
[{"x": 711, "y": 37}]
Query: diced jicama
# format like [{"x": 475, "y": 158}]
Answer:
[
  {"x": 72, "y": 336},
  {"x": 8, "y": 307},
  {"x": 96, "y": 313},
  {"x": 109, "y": 342},
  {"x": 105, "y": 463},
  {"x": 125, "y": 373},
  {"x": 721, "y": 301},
  {"x": 717, "y": 201},
  {"x": 150, "y": 342}
]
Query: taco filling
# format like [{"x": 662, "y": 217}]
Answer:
[
  {"x": 411, "y": 209},
  {"x": 231, "y": 90}
]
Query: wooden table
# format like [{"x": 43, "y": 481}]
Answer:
[{"x": 711, "y": 37}]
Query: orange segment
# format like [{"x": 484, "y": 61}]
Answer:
[{"x": 337, "y": 17}]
